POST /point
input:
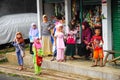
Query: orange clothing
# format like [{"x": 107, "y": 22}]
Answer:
[{"x": 98, "y": 53}]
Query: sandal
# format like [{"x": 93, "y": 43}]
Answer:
[
  {"x": 52, "y": 59},
  {"x": 20, "y": 69},
  {"x": 94, "y": 66},
  {"x": 17, "y": 68},
  {"x": 101, "y": 65}
]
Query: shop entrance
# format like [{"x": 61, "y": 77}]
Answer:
[
  {"x": 116, "y": 25},
  {"x": 88, "y": 10},
  {"x": 54, "y": 7},
  {"x": 92, "y": 13}
]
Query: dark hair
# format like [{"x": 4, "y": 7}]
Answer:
[
  {"x": 85, "y": 23},
  {"x": 72, "y": 27},
  {"x": 59, "y": 17},
  {"x": 97, "y": 28}
]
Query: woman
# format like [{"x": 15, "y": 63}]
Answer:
[
  {"x": 86, "y": 37},
  {"x": 32, "y": 34},
  {"x": 18, "y": 43},
  {"x": 46, "y": 26}
]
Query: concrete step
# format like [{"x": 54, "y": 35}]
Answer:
[
  {"x": 47, "y": 74},
  {"x": 79, "y": 66}
]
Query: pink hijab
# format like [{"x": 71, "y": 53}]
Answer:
[{"x": 36, "y": 44}]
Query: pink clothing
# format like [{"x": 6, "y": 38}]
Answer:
[
  {"x": 71, "y": 38},
  {"x": 37, "y": 45},
  {"x": 60, "y": 54},
  {"x": 60, "y": 40},
  {"x": 60, "y": 45}
]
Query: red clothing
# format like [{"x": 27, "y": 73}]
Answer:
[
  {"x": 97, "y": 42},
  {"x": 86, "y": 35}
]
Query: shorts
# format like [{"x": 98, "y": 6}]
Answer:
[{"x": 98, "y": 53}]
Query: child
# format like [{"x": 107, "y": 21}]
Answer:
[
  {"x": 37, "y": 49},
  {"x": 19, "y": 45},
  {"x": 71, "y": 41},
  {"x": 97, "y": 43},
  {"x": 59, "y": 42},
  {"x": 54, "y": 50},
  {"x": 32, "y": 34}
]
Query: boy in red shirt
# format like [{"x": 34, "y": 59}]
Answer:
[{"x": 97, "y": 44}]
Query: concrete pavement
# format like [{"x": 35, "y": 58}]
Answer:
[
  {"x": 78, "y": 66},
  {"x": 47, "y": 74}
]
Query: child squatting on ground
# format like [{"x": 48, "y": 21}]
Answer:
[
  {"x": 37, "y": 57},
  {"x": 97, "y": 43},
  {"x": 18, "y": 43}
]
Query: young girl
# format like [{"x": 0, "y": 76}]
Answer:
[
  {"x": 71, "y": 41},
  {"x": 37, "y": 49},
  {"x": 19, "y": 44},
  {"x": 59, "y": 42},
  {"x": 32, "y": 34},
  {"x": 97, "y": 43}
]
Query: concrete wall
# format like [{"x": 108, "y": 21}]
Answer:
[{"x": 48, "y": 9}]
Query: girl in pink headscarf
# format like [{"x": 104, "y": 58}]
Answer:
[{"x": 37, "y": 50}]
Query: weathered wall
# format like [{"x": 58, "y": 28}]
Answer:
[
  {"x": 48, "y": 9},
  {"x": 17, "y": 6}
]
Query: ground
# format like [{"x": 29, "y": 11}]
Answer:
[{"x": 8, "y": 72}]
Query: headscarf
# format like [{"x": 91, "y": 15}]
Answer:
[
  {"x": 36, "y": 44},
  {"x": 33, "y": 32},
  {"x": 85, "y": 24},
  {"x": 20, "y": 40},
  {"x": 58, "y": 26},
  {"x": 86, "y": 33},
  {"x": 72, "y": 26}
]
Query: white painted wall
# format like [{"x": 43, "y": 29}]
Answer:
[{"x": 107, "y": 26}]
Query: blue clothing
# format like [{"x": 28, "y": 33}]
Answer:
[
  {"x": 18, "y": 53},
  {"x": 19, "y": 58},
  {"x": 55, "y": 52},
  {"x": 52, "y": 38},
  {"x": 32, "y": 37}
]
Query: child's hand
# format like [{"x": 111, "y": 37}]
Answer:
[
  {"x": 40, "y": 38},
  {"x": 48, "y": 28},
  {"x": 101, "y": 44},
  {"x": 55, "y": 44}
]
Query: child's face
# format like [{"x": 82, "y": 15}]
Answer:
[
  {"x": 34, "y": 26},
  {"x": 18, "y": 36},
  {"x": 38, "y": 40},
  {"x": 97, "y": 31},
  {"x": 83, "y": 27},
  {"x": 60, "y": 28},
  {"x": 98, "y": 19},
  {"x": 72, "y": 22}
]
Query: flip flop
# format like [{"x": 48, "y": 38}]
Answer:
[
  {"x": 101, "y": 65},
  {"x": 20, "y": 69},
  {"x": 94, "y": 66},
  {"x": 17, "y": 68}
]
